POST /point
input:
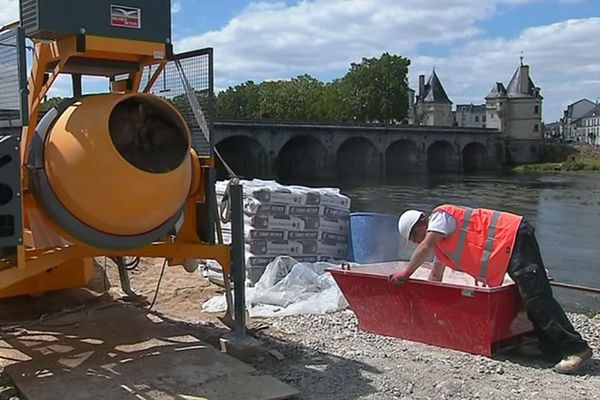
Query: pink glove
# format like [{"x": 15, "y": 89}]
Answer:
[{"x": 398, "y": 278}]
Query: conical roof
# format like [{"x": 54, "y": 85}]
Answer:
[
  {"x": 519, "y": 87},
  {"x": 497, "y": 91},
  {"x": 434, "y": 91}
]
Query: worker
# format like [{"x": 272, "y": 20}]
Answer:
[{"x": 487, "y": 244}]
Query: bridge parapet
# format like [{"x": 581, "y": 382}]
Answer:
[{"x": 287, "y": 149}]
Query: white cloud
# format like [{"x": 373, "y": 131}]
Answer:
[
  {"x": 561, "y": 57},
  {"x": 9, "y": 11},
  {"x": 322, "y": 37},
  {"x": 176, "y": 7},
  {"x": 272, "y": 39}
]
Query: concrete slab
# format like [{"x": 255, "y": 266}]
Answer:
[{"x": 120, "y": 353}]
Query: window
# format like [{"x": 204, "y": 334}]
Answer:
[
  {"x": 483, "y": 118},
  {"x": 536, "y": 110},
  {"x": 477, "y": 118},
  {"x": 536, "y": 128}
]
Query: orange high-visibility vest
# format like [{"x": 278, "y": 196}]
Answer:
[{"x": 481, "y": 244}]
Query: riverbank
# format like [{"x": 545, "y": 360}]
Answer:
[
  {"x": 568, "y": 166},
  {"x": 572, "y": 157}
]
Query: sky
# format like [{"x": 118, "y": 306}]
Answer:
[{"x": 471, "y": 43}]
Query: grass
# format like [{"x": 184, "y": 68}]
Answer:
[{"x": 568, "y": 166}]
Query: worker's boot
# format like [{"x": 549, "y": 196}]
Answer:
[
  {"x": 541, "y": 350},
  {"x": 533, "y": 350},
  {"x": 573, "y": 363}
]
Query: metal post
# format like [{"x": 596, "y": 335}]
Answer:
[
  {"x": 77, "y": 89},
  {"x": 124, "y": 276},
  {"x": 238, "y": 260},
  {"x": 211, "y": 109},
  {"x": 22, "y": 63}
]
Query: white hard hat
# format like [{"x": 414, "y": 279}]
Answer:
[{"x": 408, "y": 219}]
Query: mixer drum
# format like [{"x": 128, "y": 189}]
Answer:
[{"x": 115, "y": 168}]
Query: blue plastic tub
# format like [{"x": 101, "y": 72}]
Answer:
[{"x": 374, "y": 238}]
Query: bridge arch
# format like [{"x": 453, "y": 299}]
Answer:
[
  {"x": 402, "y": 157},
  {"x": 475, "y": 157},
  {"x": 302, "y": 157},
  {"x": 357, "y": 157},
  {"x": 442, "y": 157},
  {"x": 245, "y": 155}
]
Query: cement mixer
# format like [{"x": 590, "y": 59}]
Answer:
[
  {"x": 107, "y": 174},
  {"x": 121, "y": 184}
]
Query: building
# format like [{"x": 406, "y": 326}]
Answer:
[
  {"x": 432, "y": 107},
  {"x": 553, "y": 132},
  {"x": 10, "y": 118},
  {"x": 411, "y": 106},
  {"x": 516, "y": 110},
  {"x": 570, "y": 122},
  {"x": 588, "y": 126},
  {"x": 470, "y": 116}
]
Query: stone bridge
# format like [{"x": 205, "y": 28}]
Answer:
[{"x": 291, "y": 150}]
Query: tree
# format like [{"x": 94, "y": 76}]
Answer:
[
  {"x": 51, "y": 102},
  {"x": 332, "y": 104},
  {"x": 296, "y": 99},
  {"x": 241, "y": 101},
  {"x": 377, "y": 89},
  {"x": 373, "y": 90},
  {"x": 306, "y": 92}
]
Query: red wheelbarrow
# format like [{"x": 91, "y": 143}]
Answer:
[{"x": 467, "y": 318}]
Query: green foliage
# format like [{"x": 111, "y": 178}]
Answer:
[
  {"x": 183, "y": 105},
  {"x": 580, "y": 166},
  {"x": 569, "y": 166},
  {"x": 375, "y": 90},
  {"x": 51, "y": 102},
  {"x": 540, "y": 167},
  {"x": 241, "y": 101}
]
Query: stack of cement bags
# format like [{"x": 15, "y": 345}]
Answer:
[{"x": 310, "y": 225}]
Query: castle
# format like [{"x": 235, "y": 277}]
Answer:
[{"x": 514, "y": 110}]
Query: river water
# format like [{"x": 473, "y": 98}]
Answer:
[{"x": 565, "y": 210}]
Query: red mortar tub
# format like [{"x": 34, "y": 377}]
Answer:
[{"x": 472, "y": 319}]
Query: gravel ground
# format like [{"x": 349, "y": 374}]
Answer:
[{"x": 326, "y": 357}]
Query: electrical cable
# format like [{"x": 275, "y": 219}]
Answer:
[{"x": 158, "y": 285}]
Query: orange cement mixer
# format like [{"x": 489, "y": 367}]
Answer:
[{"x": 109, "y": 174}]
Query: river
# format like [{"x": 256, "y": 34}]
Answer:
[{"x": 564, "y": 208}]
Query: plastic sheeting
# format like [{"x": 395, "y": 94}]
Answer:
[{"x": 288, "y": 287}]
